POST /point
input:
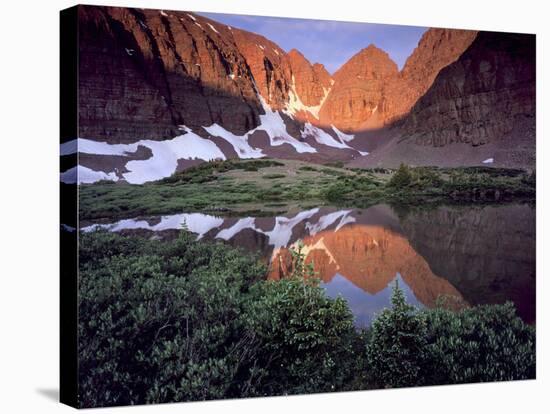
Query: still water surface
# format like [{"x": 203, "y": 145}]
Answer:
[{"x": 471, "y": 254}]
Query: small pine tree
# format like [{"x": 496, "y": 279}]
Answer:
[
  {"x": 402, "y": 177},
  {"x": 396, "y": 349},
  {"x": 300, "y": 268}
]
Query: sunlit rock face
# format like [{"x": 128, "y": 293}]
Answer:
[
  {"x": 479, "y": 110},
  {"x": 369, "y": 92},
  {"x": 184, "y": 80},
  {"x": 144, "y": 72},
  {"x": 370, "y": 257},
  {"x": 358, "y": 99}
]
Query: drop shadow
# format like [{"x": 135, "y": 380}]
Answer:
[{"x": 51, "y": 394}]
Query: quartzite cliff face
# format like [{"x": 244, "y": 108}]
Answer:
[
  {"x": 143, "y": 73},
  {"x": 370, "y": 93},
  {"x": 180, "y": 79},
  {"x": 481, "y": 97},
  {"x": 479, "y": 109}
]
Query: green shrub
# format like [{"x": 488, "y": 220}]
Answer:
[
  {"x": 181, "y": 320},
  {"x": 425, "y": 177},
  {"x": 408, "y": 347},
  {"x": 401, "y": 178},
  {"x": 273, "y": 176},
  {"x": 307, "y": 168},
  {"x": 305, "y": 338},
  {"x": 483, "y": 343},
  {"x": 396, "y": 351},
  {"x": 335, "y": 193},
  {"x": 333, "y": 172},
  {"x": 335, "y": 164},
  {"x": 159, "y": 321}
]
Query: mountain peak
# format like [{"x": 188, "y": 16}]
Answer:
[{"x": 369, "y": 62}]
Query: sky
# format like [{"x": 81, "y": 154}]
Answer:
[{"x": 328, "y": 42}]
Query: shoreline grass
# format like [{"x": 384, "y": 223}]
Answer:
[{"x": 235, "y": 187}]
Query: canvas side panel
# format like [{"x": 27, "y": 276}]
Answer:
[{"x": 69, "y": 207}]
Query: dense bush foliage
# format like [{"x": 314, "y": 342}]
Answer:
[
  {"x": 308, "y": 342},
  {"x": 208, "y": 171},
  {"x": 396, "y": 351},
  {"x": 483, "y": 343},
  {"x": 160, "y": 321},
  {"x": 183, "y": 320},
  {"x": 409, "y": 347}
]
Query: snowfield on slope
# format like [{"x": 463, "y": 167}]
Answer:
[
  {"x": 190, "y": 146},
  {"x": 161, "y": 164}
]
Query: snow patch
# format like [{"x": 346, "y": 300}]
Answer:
[
  {"x": 166, "y": 154},
  {"x": 278, "y": 237},
  {"x": 191, "y": 16},
  {"x": 282, "y": 232},
  {"x": 244, "y": 223},
  {"x": 162, "y": 163},
  {"x": 85, "y": 175},
  {"x": 197, "y": 223},
  {"x": 319, "y": 245},
  {"x": 322, "y": 137},
  {"x": 329, "y": 219},
  {"x": 344, "y": 221},
  {"x": 129, "y": 51},
  {"x": 213, "y": 28},
  {"x": 343, "y": 137},
  {"x": 201, "y": 224},
  {"x": 238, "y": 142},
  {"x": 198, "y": 24},
  {"x": 296, "y": 105},
  {"x": 272, "y": 123},
  {"x": 68, "y": 148},
  {"x": 163, "y": 13},
  {"x": 488, "y": 161},
  {"x": 325, "y": 138},
  {"x": 347, "y": 138}
]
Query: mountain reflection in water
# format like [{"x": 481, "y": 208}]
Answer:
[{"x": 469, "y": 254}]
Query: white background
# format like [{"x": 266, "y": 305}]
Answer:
[{"x": 29, "y": 102}]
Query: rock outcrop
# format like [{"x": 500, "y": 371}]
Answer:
[
  {"x": 153, "y": 75},
  {"x": 312, "y": 82},
  {"x": 369, "y": 91},
  {"x": 479, "y": 110},
  {"x": 480, "y": 97},
  {"x": 144, "y": 72},
  {"x": 358, "y": 99},
  {"x": 268, "y": 64},
  {"x": 310, "y": 87}
]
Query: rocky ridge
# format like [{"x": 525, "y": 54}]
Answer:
[{"x": 148, "y": 76}]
